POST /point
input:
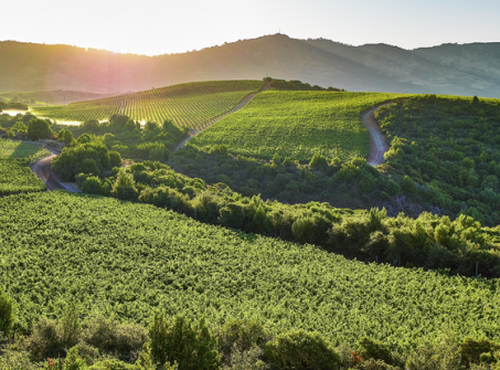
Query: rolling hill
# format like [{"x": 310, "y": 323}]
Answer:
[{"x": 472, "y": 69}]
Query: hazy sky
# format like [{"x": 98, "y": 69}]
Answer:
[{"x": 164, "y": 26}]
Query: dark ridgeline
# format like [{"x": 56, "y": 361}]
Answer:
[{"x": 472, "y": 69}]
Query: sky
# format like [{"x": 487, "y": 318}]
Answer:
[{"x": 153, "y": 27}]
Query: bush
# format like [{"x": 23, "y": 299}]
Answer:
[
  {"x": 241, "y": 336},
  {"x": 372, "y": 349},
  {"x": 124, "y": 341},
  {"x": 7, "y": 316},
  {"x": 46, "y": 341},
  {"x": 92, "y": 185},
  {"x": 301, "y": 350},
  {"x": 88, "y": 166},
  {"x": 39, "y": 129},
  {"x": 124, "y": 186},
  {"x": 192, "y": 346},
  {"x": 317, "y": 161},
  {"x": 115, "y": 159},
  {"x": 472, "y": 350},
  {"x": 409, "y": 186},
  {"x": 50, "y": 338}
]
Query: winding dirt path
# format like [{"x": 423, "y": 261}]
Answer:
[
  {"x": 240, "y": 105},
  {"x": 378, "y": 146},
  {"x": 43, "y": 169}
]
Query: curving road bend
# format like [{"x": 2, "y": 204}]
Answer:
[
  {"x": 43, "y": 169},
  {"x": 378, "y": 146}
]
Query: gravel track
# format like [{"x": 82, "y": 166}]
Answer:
[
  {"x": 378, "y": 146},
  {"x": 43, "y": 169}
]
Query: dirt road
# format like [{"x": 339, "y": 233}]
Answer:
[
  {"x": 43, "y": 169},
  {"x": 378, "y": 146},
  {"x": 240, "y": 105}
]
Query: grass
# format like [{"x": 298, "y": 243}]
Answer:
[
  {"x": 191, "y": 104},
  {"x": 297, "y": 124},
  {"x": 132, "y": 260}
]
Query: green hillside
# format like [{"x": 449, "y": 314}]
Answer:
[
  {"x": 132, "y": 260},
  {"x": 448, "y": 146},
  {"x": 297, "y": 124},
  {"x": 190, "y": 105}
]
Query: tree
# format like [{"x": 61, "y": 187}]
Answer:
[
  {"x": 39, "y": 129},
  {"x": 124, "y": 186}
]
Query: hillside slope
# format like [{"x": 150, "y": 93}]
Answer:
[
  {"x": 447, "y": 69},
  {"x": 132, "y": 260}
]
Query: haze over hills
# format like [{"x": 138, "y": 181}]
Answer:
[{"x": 471, "y": 69}]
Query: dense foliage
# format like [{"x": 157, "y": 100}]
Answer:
[
  {"x": 89, "y": 158},
  {"x": 296, "y": 124},
  {"x": 187, "y": 105},
  {"x": 39, "y": 129},
  {"x": 430, "y": 241},
  {"x": 445, "y": 152},
  {"x": 128, "y": 259}
]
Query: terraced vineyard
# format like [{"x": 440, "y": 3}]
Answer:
[
  {"x": 297, "y": 124},
  {"x": 132, "y": 260},
  {"x": 190, "y": 105}
]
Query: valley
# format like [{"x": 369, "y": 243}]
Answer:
[{"x": 283, "y": 217}]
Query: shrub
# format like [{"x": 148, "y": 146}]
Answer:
[
  {"x": 89, "y": 166},
  {"x": 409, "y": 186},
  {"x": 115, "y": 159},
  {"x": 239, "y": 335},
  {"x": 7, "y": 316},
  {"x": 39, "y": 129},
  {"x": 317, "y": 161},
  {"x": 192, "y": 346},
  {"x": 122, "y": 340},
  {"x": 124, "y": 186},
  {"x": 92, "y": 185},
  {"x": 232, "y": 215},
  {"x": 372, "y": 349},
  {"x": 392, "y": 187},
  {"x": 287, "y": 162},
  {"x": 302, "y": 350},
  {"x": 471, "y": 350},
  {"x": 46, "y": 341}
]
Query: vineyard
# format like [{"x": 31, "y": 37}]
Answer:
[
  {"x": 15, "y": 173},
  {"x": 16, "y": 177},
  {"x": 190, "y": 105},
  {"x": 132, "y": 260},
  {"x": 297, "y": 124},
  {"x": 19, "y": 149}
]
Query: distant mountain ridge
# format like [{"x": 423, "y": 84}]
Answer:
[{"x": 471, "y": 69}]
